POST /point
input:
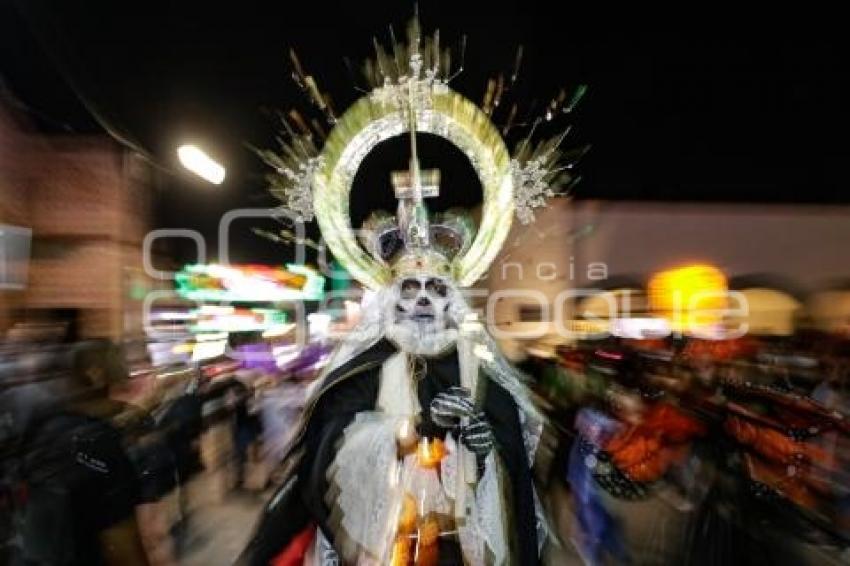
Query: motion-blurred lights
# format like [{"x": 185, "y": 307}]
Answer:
[
  {"x": 319, "y": 323},
  {"x": 691, "y": 297},
  {"x": 278, "y": 330},
  {"x": 206, "y": 350},
  {"x": 640, "y": 328},
  {"x": 198, "y": 162}
]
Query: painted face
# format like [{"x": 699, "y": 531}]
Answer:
[{"x": 423, "y": 303}]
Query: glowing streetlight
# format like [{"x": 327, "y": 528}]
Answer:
[{"x": 198, "y": 162}]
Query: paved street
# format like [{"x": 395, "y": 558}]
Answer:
[{"x": 216, "y": 533}]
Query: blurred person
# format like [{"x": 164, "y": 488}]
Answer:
[
  {"x": 765, "y": 499},
  {"x": 280, "y": 408},
  {"x": 834, "y": 394},
  {"x": 635, "y": 469},
  {"x": 165, "y": 518},
  {"x": 834, "y": 391},
  {"x": 156, "y": 508},
  {"x": 34, "y": 366},
  {"x": 247, "y": 426},
  {"x": 597, "y": 535},
  {"x": 281, "y": 405},
  {"x": 81, "y": 485}
]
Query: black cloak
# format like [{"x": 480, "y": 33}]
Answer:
[{"x": 352, "y": 388}]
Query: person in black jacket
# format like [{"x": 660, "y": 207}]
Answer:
[{"x": 82, "y": 487}]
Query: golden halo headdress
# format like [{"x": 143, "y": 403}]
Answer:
[{"x": 410, "y": 93}]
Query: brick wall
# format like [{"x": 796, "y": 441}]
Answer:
[{"x": 87, "y": 201}]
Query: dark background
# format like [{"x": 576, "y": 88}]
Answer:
[{"x": 707, "y": 105}]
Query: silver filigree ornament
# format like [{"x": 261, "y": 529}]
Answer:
[
  {"x": 531, "y": 188},
  {"x": 298, "y": 196}
]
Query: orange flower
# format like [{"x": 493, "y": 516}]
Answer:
[
  {"x": 402, "y": 551},
  {"x": 408, "y": 516},
  {"x": 429, "y": 531},
  {"x": 429, "y": 454}
]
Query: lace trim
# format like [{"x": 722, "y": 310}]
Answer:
[
  {"x": 488, "y": 503},
  {"x": 542, "y": 526},
  {"x": 448, "y": 467},
  {"x": 532, "y": 430},
  {"x": 365, "y": 475},
  {"x": 471, "y": 541}
]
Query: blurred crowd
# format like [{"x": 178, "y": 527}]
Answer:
[
  {"x": 684, "y": 451},
  {"x": 669, "y": 451},
  {"x": 107, "y": 459}
]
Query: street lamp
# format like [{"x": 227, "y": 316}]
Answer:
[{"x": 198, "y": 162}]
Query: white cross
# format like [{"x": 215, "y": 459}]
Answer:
[
  {"x": 411, "y": 188},
  {"x": 414, "y": 185}
]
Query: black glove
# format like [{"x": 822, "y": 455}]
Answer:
[
  {"x": 477, "y": 436},
  {"x": 448, "y": 407}
]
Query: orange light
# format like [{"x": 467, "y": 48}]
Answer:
[{"x": 689, "y": 297}]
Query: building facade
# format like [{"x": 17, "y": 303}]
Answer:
[
  {"x": 87, "y": 202},
  {"x": 588, "y": 246}
]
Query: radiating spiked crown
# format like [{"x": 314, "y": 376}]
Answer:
[{"x": 410, "y": 93}]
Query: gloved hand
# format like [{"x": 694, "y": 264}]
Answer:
[
  {"x": 477, "y": 435},
  {"x": 450, "y": 406}
]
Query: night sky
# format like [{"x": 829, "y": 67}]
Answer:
[{"x": 698, "y": 108}]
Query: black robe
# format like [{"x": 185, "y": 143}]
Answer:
[{"x": 353, "y": 388}]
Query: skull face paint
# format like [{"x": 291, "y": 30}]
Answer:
[{"x": 423, "y": 303}]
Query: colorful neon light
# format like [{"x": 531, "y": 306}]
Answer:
[
  {"x": 249, "y": 283},
  {"x": 214, "y": 318}
]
